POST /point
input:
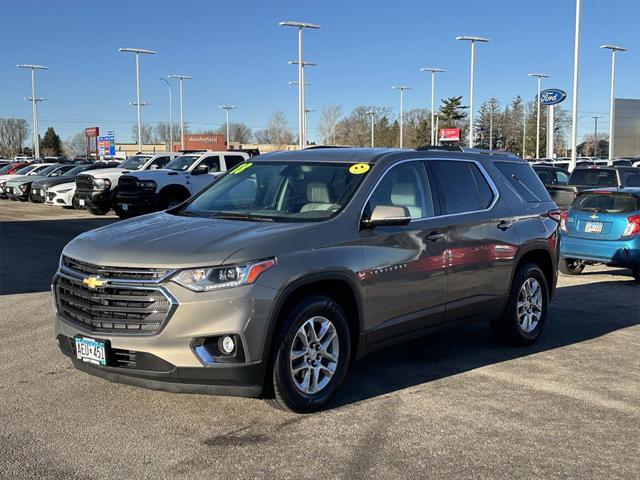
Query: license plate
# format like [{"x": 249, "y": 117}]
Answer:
[
  {"x": 81, "y": 202},
  {"x": 124, "y": 206},
  {"x": 91, "y": 351},
  {"x": 593, "y": 227}
]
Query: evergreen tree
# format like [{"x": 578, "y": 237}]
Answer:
[{"x": 51, "y": 144}]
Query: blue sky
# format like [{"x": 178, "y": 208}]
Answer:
[{"x": 238, "y": 54}]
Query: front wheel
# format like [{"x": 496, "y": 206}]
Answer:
[
  {"x": 570, "y": 266},
  {"x": 312, "y": 357},
  {"x": 99, "y": 209},
  {"x": 524, "y": 316}
]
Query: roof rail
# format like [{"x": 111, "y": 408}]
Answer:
[
  {"x": 486, "y": 151},
  {"x": 445, "y": 148}
]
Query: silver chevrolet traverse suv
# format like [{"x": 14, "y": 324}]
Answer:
[{"x": 272, "y": 280}]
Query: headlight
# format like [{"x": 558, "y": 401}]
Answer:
[
  {"x": 23, "y": 187},
  {"x": 148, "y": 185},
  {"x": 214, "y": 278},
  {"x": 102, "y": 183},
  {"x": 66, "y": 190}
]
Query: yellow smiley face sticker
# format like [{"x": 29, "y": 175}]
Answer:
[
  {"x": 359, "y": 168},
  {"x": 241, "y": 168}
]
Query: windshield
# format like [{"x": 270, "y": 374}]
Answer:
[
  {"x": 182, "y": 163},
  {"x": 135, "y": 163},
  {"x": 279, "y": 191},
  {"x": 25, "y": 170},
  {"x": 76, "y": 170},
  {"x": 607, "y": 202}
]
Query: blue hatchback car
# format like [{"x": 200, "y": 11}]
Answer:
[{"x": 602, "y": 226}]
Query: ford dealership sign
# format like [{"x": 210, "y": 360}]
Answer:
[{"x": 552, "y": 96}]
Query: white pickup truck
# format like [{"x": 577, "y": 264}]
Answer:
[
  {"x": 152, "y": 191},
  {"x": 97, "y": 190}
]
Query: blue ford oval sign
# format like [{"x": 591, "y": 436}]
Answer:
[{"x": 552, "y": 96}]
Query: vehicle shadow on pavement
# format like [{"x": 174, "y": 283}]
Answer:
[
  {"x": 573, "y": 318},
  {"x": 29, "y": 251}
]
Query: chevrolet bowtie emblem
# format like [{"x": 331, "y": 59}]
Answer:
[
  {"x": 594, "y": 216},
  {"x": 93, "y": 282}
]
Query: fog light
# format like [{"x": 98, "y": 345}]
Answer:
[{"x": 227, "y": 345}]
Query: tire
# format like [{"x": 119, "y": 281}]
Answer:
[
  {"x": 75, "y": 203},
  {"x": 523, "y": 325},
  {"x": 99, "y": 209},
  {"x": 288, "y": 388},
  {"x": 171, "y": 199},
  {"x": 120, "y": 212},
  {"x": 570, "y": 266}
]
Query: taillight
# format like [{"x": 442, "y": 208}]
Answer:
[
  {"x": 633, "y": 226},
  {"x": 563, "y": 221},
  {"x": 555, "y": 214}
]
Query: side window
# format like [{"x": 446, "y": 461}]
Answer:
[
  {"x": 462, "y": 186},
  {"x": 524, "y": 181},
  {"x": 543, "y": 175},
  {"x": 561, "y": 177},
  {"x": 159, "y": 162},
  {"x": 212, "y": 162},
  {"x": 233, "y": 160},
  {"x": 405, "y": 185}
]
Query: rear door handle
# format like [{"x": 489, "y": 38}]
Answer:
[
  {"x": 435, "y": 237},
  {"x": 505, "y": 225}
]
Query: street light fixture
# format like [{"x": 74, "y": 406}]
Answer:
[
  {"x": 300, "y": 26},
  {"x": 539, "y": 76},
  {"x": 226, "y": 108},
  {"x": 612, "y": 107},
  {"x": 181, "y": 78},
  {"x": 372, "y": 114},
  {"x": 138, "y": 52},
  {"x": 170, "y": 113},
  {"x": 433, "y": 95},
  {"x": 473, "y": 41},
  {"x": 402, "y": 88},
  {"x": 34, "y": 106}
]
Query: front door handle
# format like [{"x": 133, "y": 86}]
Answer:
[
  {"x": 435, "y": 237},
  {"x": 505, "y": 225}
]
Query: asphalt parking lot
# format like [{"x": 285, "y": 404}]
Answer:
[{"x": 452, "y": 405}]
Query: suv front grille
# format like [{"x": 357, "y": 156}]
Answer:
[
  {"x": 127, "y": 184},
  {"x": 84, "y": 182},
  {"x": 123, "y": 273},
  {"x": 113, "y": 308}
]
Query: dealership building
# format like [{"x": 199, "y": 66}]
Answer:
[{"x": 626, "y": 134}]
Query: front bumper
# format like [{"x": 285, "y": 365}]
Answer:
[
  {"x": 241, "y": 312},
  {"x": 37, "y": 195},
  {"x": 137, "y": 203},
  {"x": 60, "y": 199},
  {"x": 613, "y": 252},
  {"x": 14, "y": 193},
  {"x": 94, "y": 197}
]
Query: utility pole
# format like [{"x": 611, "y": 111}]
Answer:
[
  {"x": 612, "y": 105},
  {"x": 402, "y": 88},
  {"x": 34, "y": 106}
]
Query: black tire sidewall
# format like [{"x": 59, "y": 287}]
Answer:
[
  {"x": 563, "y": 266},
  {"x": 287, "y": 394}
]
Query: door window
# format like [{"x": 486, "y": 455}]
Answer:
[
  {"x": 561, "y": 177},
  {"x": 405, "y": 185},
  {"x": 233, "y": 160},
  {"x": 462, "y": 186},
  {"x": 159, "y": 162},
  {"x": 212, "y": 162}
]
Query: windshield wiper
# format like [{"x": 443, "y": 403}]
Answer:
[{"x": 240, "y": 216}]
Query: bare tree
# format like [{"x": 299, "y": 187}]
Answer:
[
  {"x": 13, "y": 132},
  {"x": 161, "y": 132},
  {"x": 148, "y": 134},
  {"x": 76, "y": 145},
  {"x": 277, "y": 131},
  {"x": 238, "y": 132},
  {"x": 329, "y": 118}
]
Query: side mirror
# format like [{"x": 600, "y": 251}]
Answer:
[
  {"x": 200, "y": 170},
  {"x": 387, "y": 216}
]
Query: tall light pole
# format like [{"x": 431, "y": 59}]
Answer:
[
  {"x": 170, "y": 113},
  {"x": 402, "y": 88},
  {"x": 181, "y": 78},
  {"x": 372, "y": 114},
  {"x": 433, "y": 97},
  {"x": 595, "y": 134},
  {"x": 473, "y": 41},
  {"x": 138, "y": 103},
  {"x": 524, "y": 131},
  {"x": 612, "y": 106},
  {"x": 227, "y": 108},
  {"x": 300, "y": 26},
  {"x": 34, "y": 107},
  {"x": 574, "y": 102},
  {"x": 304, "y": 95},
  {"x": 437, "y": 125},
  {"x": 539, "y": 76}
]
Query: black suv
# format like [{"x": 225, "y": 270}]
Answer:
[{"x": 274, "y": 278}]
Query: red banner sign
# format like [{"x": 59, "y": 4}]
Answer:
[
  {"x": 92, "y": 132},
  {"x": 449, "y": 134}
]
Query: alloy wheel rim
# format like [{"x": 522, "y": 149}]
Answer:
[
  {"x": 529, "y": 305},
  {"x": 313, "y": 357}
]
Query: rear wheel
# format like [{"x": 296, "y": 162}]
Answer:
[
  {"x": 570, "y": 266},
  {"x": 524, "y": 316},
  {"x": 312, "y": 357}
]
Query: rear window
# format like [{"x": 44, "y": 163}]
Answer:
[
  {"x": 606, "y": 202},
  {"x": 596, "y": 177},
  {"x": 525, "y": 181}
]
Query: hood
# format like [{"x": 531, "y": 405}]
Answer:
[
  {"x": 154, "y": 174},
  {"x": 105, "y": 172},
  {"x": 51, "y": 181},
  {"x": 19, "y": 179},
  {"x": 161, "y": 240},
  {"x": 61, "y": 186}
]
